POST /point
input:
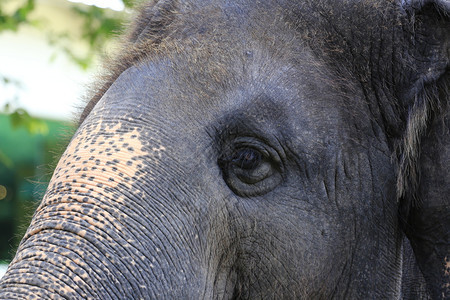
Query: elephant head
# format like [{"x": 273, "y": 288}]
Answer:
[{"x": 255, "y": 149}]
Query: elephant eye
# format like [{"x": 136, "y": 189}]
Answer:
[
  {"x": 246, "y": 158},
  {"x": 251, "y": 169}
]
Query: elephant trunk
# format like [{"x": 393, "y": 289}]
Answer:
[{"x": 114, "y": 224}]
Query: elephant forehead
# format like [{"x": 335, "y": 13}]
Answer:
[{"x": 103, "y": 157}]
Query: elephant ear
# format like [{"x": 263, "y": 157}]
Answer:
[{"x": 424, "y": 175}]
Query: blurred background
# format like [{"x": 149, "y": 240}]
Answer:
[{"x": 50, "y": 51}]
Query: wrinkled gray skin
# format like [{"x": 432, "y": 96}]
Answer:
[{"x": 256, "y": 149}]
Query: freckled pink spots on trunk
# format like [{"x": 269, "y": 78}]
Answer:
[{"x": 101, "y": 155}]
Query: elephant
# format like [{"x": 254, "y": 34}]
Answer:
[{"x": 255, "y": 149}]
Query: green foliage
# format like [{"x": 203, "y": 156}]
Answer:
[
  {"x": 5, "y": 160},
  {"x": 31, "y": 161},
  {"x": 21, "y": 118},
  {"x": 129, "y": 3},
  {"x": 99, "y": 27},
  {"x": 17, "y": 18}
]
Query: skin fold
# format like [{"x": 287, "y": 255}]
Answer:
[{"x": 246, "y": 150}]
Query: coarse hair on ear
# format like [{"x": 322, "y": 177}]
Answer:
[
  {"x": 428, "y": 55},
  {"x": 423, "y": 184}
]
